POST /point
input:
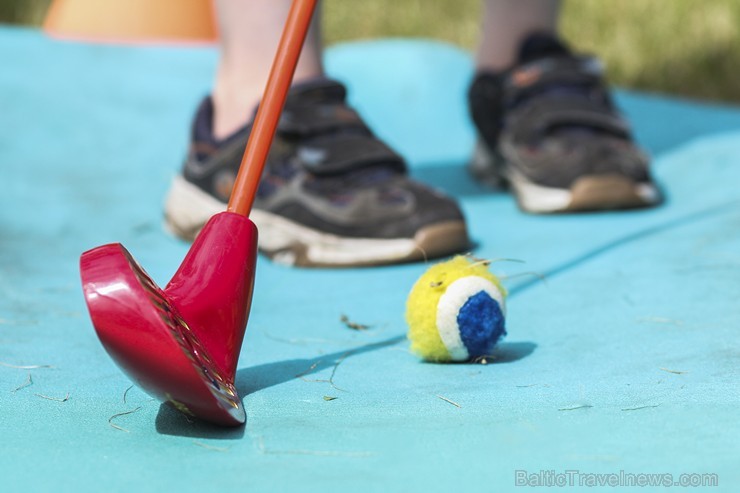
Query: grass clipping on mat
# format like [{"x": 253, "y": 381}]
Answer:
[
  {"x": 27, "y": 383},
  {"x": 118, "y": 415}
]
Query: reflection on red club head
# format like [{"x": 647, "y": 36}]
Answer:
[{"x": 181, "y": 344}]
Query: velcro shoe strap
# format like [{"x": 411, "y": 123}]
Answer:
[
  {"x": 538, "y": 117},
  {"x": 340, "y": 153},
  {"x": 307, "y": 120}
]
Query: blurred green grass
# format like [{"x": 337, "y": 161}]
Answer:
[{"x": 683, "y": 47}]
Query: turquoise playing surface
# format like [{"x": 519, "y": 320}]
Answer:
[{"x": 624, "y": 359}]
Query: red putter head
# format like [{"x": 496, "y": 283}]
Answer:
[{"x": 180, "y": 344}]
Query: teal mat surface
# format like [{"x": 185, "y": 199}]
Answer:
[{"x": 625, "y": 359}]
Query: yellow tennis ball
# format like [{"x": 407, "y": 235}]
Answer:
[{"x": 456, "y": 311}]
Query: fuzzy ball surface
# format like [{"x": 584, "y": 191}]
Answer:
[{"x": 456, "y": 311}]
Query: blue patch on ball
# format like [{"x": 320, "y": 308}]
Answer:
[{"x": 481, "y": 324}]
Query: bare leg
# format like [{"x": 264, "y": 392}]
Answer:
[
  {"x": 250, "y": 31},
  {"x": 506, "y": 23}
]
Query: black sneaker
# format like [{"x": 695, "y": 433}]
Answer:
[
  {"x": 549, "y": 129},
  {"x": 331, "y": 195}
]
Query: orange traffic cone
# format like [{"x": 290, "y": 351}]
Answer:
[{"x": 132, "y": 21}]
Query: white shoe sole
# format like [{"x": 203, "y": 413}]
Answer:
[
  {"x": 188, "y": 208},
  {"x": 588, "y": 193}
]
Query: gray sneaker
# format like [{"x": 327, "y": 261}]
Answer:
[
  {"x": 549, "y": 129},
  {"x": 332, "y": 194}
]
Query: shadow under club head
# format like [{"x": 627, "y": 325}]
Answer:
[{"x": 180, "y": 344}]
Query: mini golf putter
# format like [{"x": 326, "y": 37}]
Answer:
[{"x": 181, "y": 344}]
